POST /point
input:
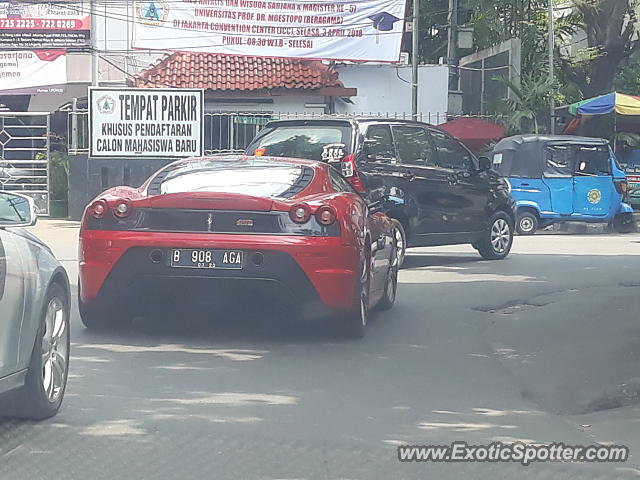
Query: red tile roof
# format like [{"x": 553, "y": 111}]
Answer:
[{"x": 236, "y": 73}]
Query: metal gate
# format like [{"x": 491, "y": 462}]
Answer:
[{"x": 24, "y": 156}]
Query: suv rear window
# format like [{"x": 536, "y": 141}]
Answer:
[{"x": 328, "y": 143}]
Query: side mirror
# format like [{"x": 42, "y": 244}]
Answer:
[
  {"x": 17, "y": 210},
  {"x": 484, "y": 164}
]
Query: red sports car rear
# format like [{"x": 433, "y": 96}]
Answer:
[{"x": 253, "y": 229}]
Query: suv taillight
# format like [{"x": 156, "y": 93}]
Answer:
[{"x": 350, "y": 172}]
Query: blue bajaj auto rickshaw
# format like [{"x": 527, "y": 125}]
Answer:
[{"x": 561, "y": 178}]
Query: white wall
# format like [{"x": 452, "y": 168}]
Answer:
[
  {"x": 382, "y": 91},
  {"x": 386, "y": 89}
]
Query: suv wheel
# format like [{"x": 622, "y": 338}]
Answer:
[
  {"x": 495, "y": 243},
  {"x": 527, "y": 223}
]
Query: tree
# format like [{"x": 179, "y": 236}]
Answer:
[
  {"x": 496, "y": 21},
  {"x": 433, "y": 28},
  {"x": 628, "y": 79},
  {"x": 611, "y": 37},
  {"x": 529, "y": 105}
]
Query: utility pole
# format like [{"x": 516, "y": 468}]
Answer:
[
  {"x": 552, "y": 103},
  {"x": 94, "y": 43},
  {"x": 452, "y": 50},
  {"x": 414, "y": 59}
]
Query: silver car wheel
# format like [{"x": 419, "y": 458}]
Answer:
[
  {"x": 55, "y": 341},
  {"x": 500, "y": 235}
]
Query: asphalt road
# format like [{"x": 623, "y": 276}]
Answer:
[{"x": 541, "y": 347}]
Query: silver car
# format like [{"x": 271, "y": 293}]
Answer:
[{"x": 34, "y": 316}]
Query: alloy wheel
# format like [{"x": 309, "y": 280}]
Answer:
[
  {"x": 400, "y": 247},
  {"x": 500, "y": 236},
  {"x": 392, "y": 285},
  {"x": 363, "y": 292},
  {"x": 55, "y": 341}
]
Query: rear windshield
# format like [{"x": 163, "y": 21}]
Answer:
[
  {"x": 327, "y": 143},
  {"x": 266, "y": 180}
]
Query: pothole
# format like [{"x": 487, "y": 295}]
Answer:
[
  {"x": 623, "y": 395},
  {"x": 512, "y": 307}
]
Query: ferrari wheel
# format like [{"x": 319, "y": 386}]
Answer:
[
  {"x": 391, "y": 285},
  {"x": 354, "y": 322},
  {"x": 400, "y": 239},
  {"x": 100, "y": 318},
  {"x": 390, "y": 289},
  {"x": 46, "y": 381}
]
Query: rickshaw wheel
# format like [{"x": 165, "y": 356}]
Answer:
[
  {"x": 527, "y": 223},
  {"x": 624, "y": 223}
]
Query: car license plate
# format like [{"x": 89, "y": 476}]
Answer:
[{"x": 207, "y": 259}]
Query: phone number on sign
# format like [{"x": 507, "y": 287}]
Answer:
[{"x": 40, "y": 24}]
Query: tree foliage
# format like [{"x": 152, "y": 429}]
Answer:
[
  {"x": 610, "y": 27},
  {"x": 628, "y": 79},
  {"x": 500, "y": 20},
  {"x": 595, "y": 45},
  {"x": 527, "y": 111}
]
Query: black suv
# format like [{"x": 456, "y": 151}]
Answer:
[{"x": 436, "y": 189}]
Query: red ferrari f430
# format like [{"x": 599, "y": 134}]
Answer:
[{"x": 253, "y": 228}]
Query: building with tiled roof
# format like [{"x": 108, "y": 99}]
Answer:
[{"x": 231, "y": 76}]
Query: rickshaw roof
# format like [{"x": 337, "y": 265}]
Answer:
[
  {"x": 524, "y": 155},
  {"x": 527, "y": 142}
]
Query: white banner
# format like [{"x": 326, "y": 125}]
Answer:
[
  {"x": 23, "y": 71},
  {"x": 29, "y": 25},
  {"x": 356, "y": 30},
  {"x": 140, "y": 122}
]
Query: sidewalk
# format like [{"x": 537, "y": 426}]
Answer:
[{"x": 62, "y": 237}]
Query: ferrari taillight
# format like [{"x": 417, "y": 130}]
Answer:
[
  {"x": 122, "y": 208},
  {"x": 300, "y": 213},
  {"x": 326, "y": 215},
  {"x": 98, "y": 209},
  {"x": 350, "y": 172}
]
